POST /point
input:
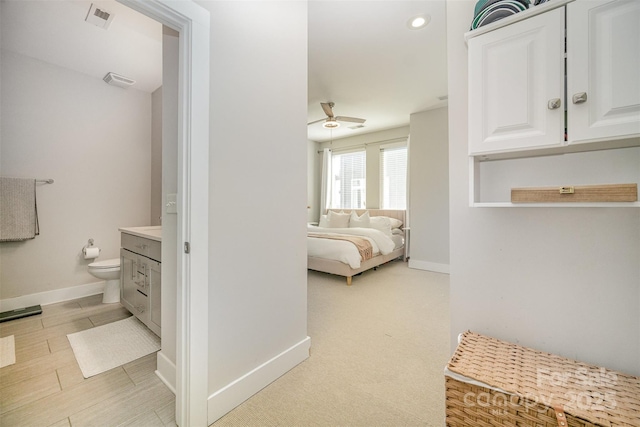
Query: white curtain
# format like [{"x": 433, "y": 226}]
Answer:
[
  {"x": 325, "y": 187},
  {"x": 406, "y": 218}
]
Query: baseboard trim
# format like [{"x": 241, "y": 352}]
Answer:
[
  {"x": 52, "y": 297},
  {"x": 233, "y": 394},
  {"x": 429, "y": 266},
  {"x": 166, "y": 371}
]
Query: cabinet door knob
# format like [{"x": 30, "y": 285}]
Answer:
[
  {"x": 580, "y": 97},
  {"x": 554, "y": 104}
]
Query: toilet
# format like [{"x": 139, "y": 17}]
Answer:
[{"x": 108, "y": 270}]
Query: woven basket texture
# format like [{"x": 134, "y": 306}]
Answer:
[{"x": 531, "y": 384}]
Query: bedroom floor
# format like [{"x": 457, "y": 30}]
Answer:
[{"x": 378, "y": 351}]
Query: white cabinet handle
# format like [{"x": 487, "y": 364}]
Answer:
[
  {"x": 579, "y": 97},
  {"x": 554, "y": 104}
]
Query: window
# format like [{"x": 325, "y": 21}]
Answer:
[
  {"x": 348, "y": 181},
  {"x": 393, "y": 177}
]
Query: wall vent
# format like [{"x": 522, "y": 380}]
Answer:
[
  {"x": 99, "y": 17},
  {"x": 118, "y": 80},
  {"x": 443, "y": 97}
]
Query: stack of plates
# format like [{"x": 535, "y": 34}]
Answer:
[{"x": 488, "y": 11}]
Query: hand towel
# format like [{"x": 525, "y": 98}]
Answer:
[{"x": 18, "y": 211}]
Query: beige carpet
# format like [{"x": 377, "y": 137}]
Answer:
[{"x": 378, "y": 351}]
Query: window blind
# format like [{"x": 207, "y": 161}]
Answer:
[
  {"x": 348, "y": 180},
  {"x": 393, "y": 178}
]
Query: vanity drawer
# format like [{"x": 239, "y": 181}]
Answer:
[{"x": 140, "y": 245}]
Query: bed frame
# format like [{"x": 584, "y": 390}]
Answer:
[{"x": 341, "y": 269}]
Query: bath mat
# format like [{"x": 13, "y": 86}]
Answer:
[
  {"x": 7, "y": 351},
  {"x": 108, "y": 346}
]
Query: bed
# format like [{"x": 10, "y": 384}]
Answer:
[{"x": 329, "y": 253}]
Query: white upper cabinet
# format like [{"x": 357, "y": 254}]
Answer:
[
  {"x": 603, "y": 70},
  {"x": 517, "y": 79},
  {"x": 516, "y": 86}
]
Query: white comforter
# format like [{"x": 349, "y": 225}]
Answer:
[{"x": 343, "y": 251}]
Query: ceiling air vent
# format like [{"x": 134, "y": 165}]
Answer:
[
  {"x": 118, "y": 80},
  {"x": 99, "y": 17},
  {"x": 356, "y": 127}
]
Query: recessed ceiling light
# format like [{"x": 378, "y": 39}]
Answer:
[{"x": 418, "y": 22}]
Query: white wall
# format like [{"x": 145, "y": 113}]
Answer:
[
  {"x": 258, "y": 196},
  {"x": 156, "y": 157},
  {"x": 429, "y": 191},
  {"x": 562, "y": 280},
  {"x": 94, "y": 141},
  {"x": 169, "y": 109}
]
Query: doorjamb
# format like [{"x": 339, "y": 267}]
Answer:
[{"x": 192, "y": 23}]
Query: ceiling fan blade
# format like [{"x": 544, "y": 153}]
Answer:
[
  {"x": 317, "y": 121},
  {"x": 350, "y": 119},
  {"x": 327, "y": 107}
]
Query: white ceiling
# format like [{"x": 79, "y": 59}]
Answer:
[
  {"x": 55, "y": 31},
  {"x": 362, "y": 56}
]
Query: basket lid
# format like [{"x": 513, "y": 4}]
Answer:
[{"x": 592, "y": 393}]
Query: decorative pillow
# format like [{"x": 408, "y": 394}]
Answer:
[
  {"x": 360, "y": 221},
  {"x": 324, "y": 221},
  {"x": 338, "y": 220},
  {"x": 381, "y": 223},
  {"x": 397, "y": 231}
]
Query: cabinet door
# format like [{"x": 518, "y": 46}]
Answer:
[
  {"x": 128, "y": 278},
  {"x": 132, "y": 281},
  {"x": 603, "y": 62},
  {"x": 155, "y": 285},
  {"x": 516, "y": 86}
]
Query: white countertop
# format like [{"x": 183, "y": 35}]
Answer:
[{"x": 152, "y": 232}]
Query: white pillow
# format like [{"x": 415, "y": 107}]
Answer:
[
  {"x": 324, "y": 221},
  {"x": 362, "y": 221},
  {"x": 338, "y": 220},
  {"x": 381, "y": 223},
  {"x": 395, "y": 223}
]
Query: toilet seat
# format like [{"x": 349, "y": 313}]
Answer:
[{"x": 108, "y": 263}]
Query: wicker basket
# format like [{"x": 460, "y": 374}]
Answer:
[{"x": 494, "y": 383}]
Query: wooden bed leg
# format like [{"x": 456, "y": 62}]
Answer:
[{"x": 348, "y": 280}]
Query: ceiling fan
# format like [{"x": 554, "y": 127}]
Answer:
[{"x": 331, "y": 122}]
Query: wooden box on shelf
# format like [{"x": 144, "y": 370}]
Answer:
[{"x": 576, "y": 194}]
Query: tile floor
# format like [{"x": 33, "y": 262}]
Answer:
[{"x": 45, "y": 386}]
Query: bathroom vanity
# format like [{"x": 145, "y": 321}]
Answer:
[{"x": 140, "y": 273}]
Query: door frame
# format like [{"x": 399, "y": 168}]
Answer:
[{"x": 192, "y": 23}]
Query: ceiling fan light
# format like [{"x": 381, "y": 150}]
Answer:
[{"x": 330, "y": 124}]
